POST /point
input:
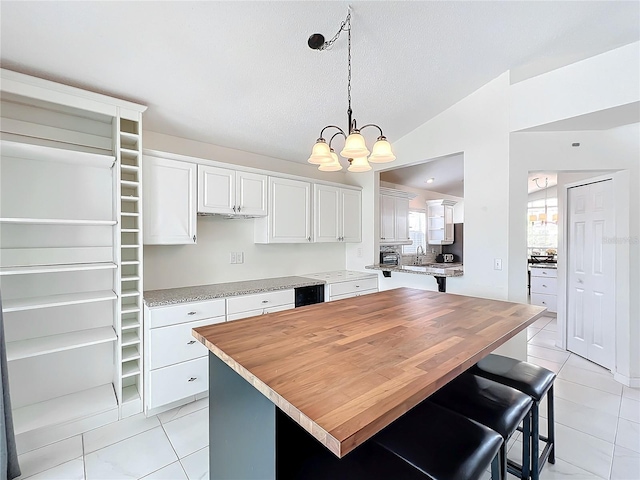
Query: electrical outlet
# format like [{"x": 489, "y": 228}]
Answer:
[
  {"x": 239, "y": 257},
  {"x": 497, "y": 264},
  {"x": 232, "y": 257}
]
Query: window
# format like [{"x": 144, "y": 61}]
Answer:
[
  {"x": 417, "y": 231},
  {"x": 542, "y": 235}
]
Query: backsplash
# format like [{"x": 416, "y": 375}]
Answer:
[{"x": 410, "y": 258}]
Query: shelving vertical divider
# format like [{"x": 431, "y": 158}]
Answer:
[{"x": 130, "y": 308}]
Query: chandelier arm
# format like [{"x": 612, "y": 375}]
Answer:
[
  {"x": 332, "y": 126},
  {"x": 372, "y": 125},
  {"x": 335, "y": 135}
]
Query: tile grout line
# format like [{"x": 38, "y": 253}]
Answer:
[{"x": 84, "y": 462}]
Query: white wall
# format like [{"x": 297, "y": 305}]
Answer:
[
  {"x": 208, "y": 261},
  {"x": 422, "y": 195}
]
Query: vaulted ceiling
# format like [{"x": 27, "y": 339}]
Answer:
[{"x": 240, "y": 74}]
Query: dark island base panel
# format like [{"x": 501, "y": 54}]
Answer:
[{"x": 250, "y": 438}]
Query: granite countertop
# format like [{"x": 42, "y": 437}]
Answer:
[
  {"x": 543, "y": 265},
  {"x": 171, "y": 296},
  {"x": 340, "y": 276},
  {"x": 435, "y": 270}
]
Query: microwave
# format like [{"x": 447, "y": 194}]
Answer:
[{"x": 388, "y": 258}]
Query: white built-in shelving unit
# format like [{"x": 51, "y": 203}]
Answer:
[{"x": 70, "y": 257}]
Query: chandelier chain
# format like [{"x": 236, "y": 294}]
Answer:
[
  {"x": 348, "y": 20},
  {"x": 346, "y": 23}
]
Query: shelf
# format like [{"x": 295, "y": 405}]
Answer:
[
  {"x": 130, "y": 262},
  {"x": 128, "y": 152},
  {"x": 34, "y": 347},
  {"x": 128, "y": 324},
  {"x": 129, "y": 214},
  {"x": 130, "y": 353},
  {"x": 129, "y": 293},
  {"x": 130, "y": 230},
  {"x": 129, "y": 278},
  {"x": 128, "y": 168},
  {"x": 130, "y": 136},
  {"x": 130, "y": 338},
  {"x": 54, "y": 221},
  {"x": 129, "y": 198},
  {"x": 129, "y": 183},
  {"x": 39, "y": 152},
  {"x": 56, "y": 268},
  {"x": 21, "y": 304},
  {"x": 65, "y": 409},
  {"x": 130, "y": 394},
  {"x": 130, "y": 370},
  {"x": 129, "y": 246},
  {"x": 133, "y": 309}
]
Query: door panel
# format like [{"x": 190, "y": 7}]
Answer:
[{"x": 591, "y": 273}]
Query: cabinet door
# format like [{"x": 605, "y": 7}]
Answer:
[
  {"x": 402, "y": 219},
  {"x": 169, "y": 202},
  {"x": 326, "y": 213},
  {"x": 387, "y": 218},
  {"x": 351, "y": 203},
  {"x": 290, "y": 211},
  {"x": 251, "y": 193},
  {"x": 216, "y": 190},
  {"x": 448, "y": 223}
]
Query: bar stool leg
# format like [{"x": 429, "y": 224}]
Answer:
[
  {"x": 496, "y": 473},
  {"x": 526, "y": 447},
  {"x": 551, "y": 426},
  {"x": 535, "y": 441}
]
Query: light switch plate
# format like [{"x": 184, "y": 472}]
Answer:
[
  {"x": 239, "y": 257},
  {"x": 232, "y": 257},
  {"x": 497, "y": 264}
]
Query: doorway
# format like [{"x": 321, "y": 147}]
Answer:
[{"x": 591, "y": 264}]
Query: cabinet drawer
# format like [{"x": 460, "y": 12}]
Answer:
[
  {"x": 542, "y": 300},
  {"x": 174, "y": 344},
  {"x": 178, "y": 381},
  {"x": 544, "y": 272},
  {"x": 185, "y": 312},
  {"x": 259, "y": 311},
  {"x": 351, "y": 294},
  {"x": 353, "y": 286},
  {"x": 258, "y": 301},
  {"x": 544, "y": 285}
]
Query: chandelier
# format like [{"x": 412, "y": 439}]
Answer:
[{"x": 355, "y": 148}]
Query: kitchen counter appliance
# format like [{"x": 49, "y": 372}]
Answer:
[{"x": 309, "y": 295}]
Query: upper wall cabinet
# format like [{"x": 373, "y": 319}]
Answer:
[
  {"x": 440, "y": 222},
  {"x": 229, "y": 192},
  {"x": 337, "y": 214},
  {"x": 289, "y": 218},
  {"x": 169, "y": 201},
  {"x": 394, "y": 217}
]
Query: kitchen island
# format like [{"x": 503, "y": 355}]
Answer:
[
  {"x": 440, "y": 271},
  {"x": 341, "y": 371}
]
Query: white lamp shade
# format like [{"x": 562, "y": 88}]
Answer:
[
  {"x": 542, "y": 217},
  {"x": 359, "y": 165},
  {"x": 334, "y": 166},
  {"x": 382, "y": 152},
  {"x": 320, "y": 154},
  {"x": 354, "y": 147},
  {"x": 533, "y": 218}
]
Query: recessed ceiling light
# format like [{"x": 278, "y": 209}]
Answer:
[{"x": 430, "y": 180}]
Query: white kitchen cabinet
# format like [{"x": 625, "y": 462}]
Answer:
[
  {"x": 230, "y": 192},
  {"x": 175, "y": 362},
  {"x": 170, "y": 199},
  {"x": 289, "y": 218},
  {"x": 440, "y": 222},
  {"x": 544, "y": 288},
  {"x": 352, "y": 288},
  {"x": 337, "y": 214},
  {"x": 394, "y": 217},
  {"x": 70, "y": 213}
]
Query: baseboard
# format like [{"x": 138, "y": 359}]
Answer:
[{"x": 633, "y": 382}]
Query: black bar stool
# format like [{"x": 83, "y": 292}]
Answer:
[
  {"x": 441, "y": 444},
  {"x": 536, "y": 382},
  {"x": 497, "y": 406}
]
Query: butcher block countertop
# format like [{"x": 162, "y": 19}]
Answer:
[{"x": 344, "y": 370}]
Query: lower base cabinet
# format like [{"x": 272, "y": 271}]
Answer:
[
  {"x": 352, "y": 288},
  {"x": 169, "y": 384}
]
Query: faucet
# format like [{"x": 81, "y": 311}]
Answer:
[{"x": 418, "y": 250}]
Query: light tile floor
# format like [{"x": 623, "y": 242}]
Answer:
[{"x": 597, "y": 430}]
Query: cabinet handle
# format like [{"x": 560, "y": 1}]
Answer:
[
  {"x": 357, "y": 286},
  {"x": 308, "y": 239},
  {"x": 544, "y": 303},
  {"x": 194, "y": 239},
  {"x": 234, "y": 209},
  {"x": 191, "y": 313},
  {"x": 191, "y": 342},
  {"x": 265, "y": 301},
  {"x": 579, "y": 281},
  {"x": 192, "y": 379},
  {"x": 239, "y": 209},
  {"x": 544, "y": 285}
]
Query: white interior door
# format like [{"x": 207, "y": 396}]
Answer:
[{"x": 591, "y": 273}]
